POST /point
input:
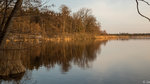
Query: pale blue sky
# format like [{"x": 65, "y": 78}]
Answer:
[{"x": 114, "y": 15}]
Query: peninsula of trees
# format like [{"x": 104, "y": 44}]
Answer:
[{"x": 48, "y": 23}]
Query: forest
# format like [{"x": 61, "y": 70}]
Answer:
[{"x": 46, "y": 22}]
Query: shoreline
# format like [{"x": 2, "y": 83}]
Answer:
[
  {"x": 69, "y": 39},
  {"x": 73, "y": 37}
]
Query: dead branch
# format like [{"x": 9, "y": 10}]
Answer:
[{"x": 138, "y": 10}]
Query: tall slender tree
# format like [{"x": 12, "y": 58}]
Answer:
[
  {"x": 6, "y": 21},
  {"x": 6, "y": 16}
]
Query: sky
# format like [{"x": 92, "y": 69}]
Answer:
[{"x": 115, "y": 16}]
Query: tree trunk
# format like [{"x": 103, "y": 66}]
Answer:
[{"x": 5, "y": 29}]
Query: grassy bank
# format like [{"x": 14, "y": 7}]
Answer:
[{"x": 81, "y": 37}]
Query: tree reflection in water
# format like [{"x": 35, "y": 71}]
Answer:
[{"x": 16, "y": 64}]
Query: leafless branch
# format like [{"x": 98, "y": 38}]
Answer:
[
  {"x": 7, "y": 5},
  {"x": 145, "y": 2},
  {"x": 138, "y": 10}
]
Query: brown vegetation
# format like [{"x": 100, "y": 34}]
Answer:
[{"x": 47, "y": 23}]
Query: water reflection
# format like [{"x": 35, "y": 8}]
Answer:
[{"x": 16, "y": 65}]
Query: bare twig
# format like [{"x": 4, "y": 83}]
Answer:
[
  {"x": 138, "y": 10},
  {"x": 145, "y": 2},
  {"x": 7, "y": 5}
]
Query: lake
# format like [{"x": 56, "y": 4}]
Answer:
[{"x": 81, "y": 62}]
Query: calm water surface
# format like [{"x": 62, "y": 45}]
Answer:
[{"x": 90, "y": 62}]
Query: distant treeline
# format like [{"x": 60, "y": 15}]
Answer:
[
  {"x": 47, "y": 22},
  {"x": 131, "y": 34}
]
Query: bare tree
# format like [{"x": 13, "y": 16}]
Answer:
[
  {"x": 65, "y": 11},
  {"x": 6, "y": 21},
  {"x": 138, "y": 10},
  {"x": 6, "y": 15}
]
